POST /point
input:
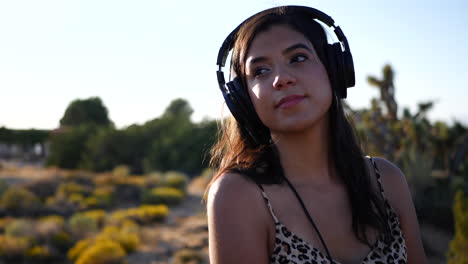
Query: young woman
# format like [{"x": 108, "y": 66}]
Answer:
[{"x": 292, "y": 184}]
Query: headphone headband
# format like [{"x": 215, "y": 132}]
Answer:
[{"x": 314, "y": 14}]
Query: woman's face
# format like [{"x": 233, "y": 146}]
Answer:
[{"x": 287, "y": 83}]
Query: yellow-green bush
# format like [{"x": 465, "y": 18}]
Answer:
[
  {"x": 152, "y": 213},
  {"x": 128, "y": 241},
  {"x": 68, "y": 188},
  {"x": 98, "y": 215},
  {"x": 18, "y": 199},
  {"x": 103, "y": 195},
  {"x": 11, "y": 247},
  {"x": 4, "y": 221},
  {"x": 20, "y": 228},
  {"x": 75, "y": 252},
  {"x": 187, "y": 256},
  {"x": 38, "y": 252},
  {"x": 458, "y": 251},
  {"x": 176, "y": 180},
  {"x": 48, "y": 226},
  {"x": 82, "y": 225},
  {"x": 90, "y": 203},
  {"x": 129, "y": 226},
  {"x": 164, "y": 195},
  {"x": 62, "y": 240},
  {"x": 145, "y": 214},
  {"x": 154, "y": 179},
  {"x": 104, "y": 180},
  {"x": 121, "y": 171},
  {"x": 3, "y": 186},
  {"x": 78, "y": 176},
  {"x": 103, "y": 252}
]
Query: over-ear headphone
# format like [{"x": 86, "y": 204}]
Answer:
[{"x": 340, "y": 69}]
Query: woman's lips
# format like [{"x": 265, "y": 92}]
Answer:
[{"x": 289, "y": 101}]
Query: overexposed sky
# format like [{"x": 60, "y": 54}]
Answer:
[{"x": 137, "y": 56}]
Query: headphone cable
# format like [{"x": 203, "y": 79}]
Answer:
[{"x": 310, "y": 219}]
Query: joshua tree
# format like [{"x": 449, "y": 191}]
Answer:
[{"x": 387, "y": 90}]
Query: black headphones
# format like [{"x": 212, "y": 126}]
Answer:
[{"x": 340, "y": 69}]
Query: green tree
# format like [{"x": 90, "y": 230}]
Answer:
[
  {"x": 68, "y": 145},
  {"x": 86, "y": 111}
]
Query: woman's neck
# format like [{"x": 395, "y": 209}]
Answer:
[{"x": 305, "y": 155}]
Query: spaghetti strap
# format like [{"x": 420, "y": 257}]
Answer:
[
  {"x": 267, "y": 201},
  {"x": 377, "y": 174}
]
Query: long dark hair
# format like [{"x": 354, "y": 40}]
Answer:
[{"x": 235, "y": 151}]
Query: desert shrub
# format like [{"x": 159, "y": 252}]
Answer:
[
  {"x": 131, "y": 180},
  {"x": 3, "y": 186},
  {"x": 39, "y": 253},
  {"x": 77, "y": 199},
  {"x": 152, "y": 213},
  {"x": 98, "y": 215},
  {"x": 128, "y": 241},
  {"x": 103, "y": 252},
  {"x": 75, "y": 252},
  {"x": 176, "y": 180},
  {"x": 13, "y": 247},
  {"x": 154, "y": 179},
  {"x": 104, "y": 195},
  {"x": 68, "y": 188},
  {"x": 18, "y": 200},
  {"x": 62, "y": 241},
  {"x": 163, "y": 195},
  {"x": 121, "y": 171},
  {"x": 4, "y": 221},
  {"x": 458, "y": 251},
  {"x": 129, "y": 226},
  {"x": 187, "y": 256},
  {"x": 82, "y": 225},
  {"x": 43, "y": 188},
  {"x": 20, "y": 228},
  {"x": 62, "y": 205},
  {"x": 90, "y": 203},
  {"x": 145, "y": 214},
  {"x": 104, "y": 179},
  {"x": 48, "y": 227},
  {"x": 79, "y": 177}
]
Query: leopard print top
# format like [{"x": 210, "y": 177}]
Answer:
[{"x": 291, "y": 248}]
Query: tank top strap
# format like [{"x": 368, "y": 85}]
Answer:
[
  {"x": 377, "y": 174},
  {"x": 267, "y": 201}
]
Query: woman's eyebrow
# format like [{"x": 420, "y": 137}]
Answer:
[
  {"x": 287, "y": 50},
  {"x": 297, "y": 46}
]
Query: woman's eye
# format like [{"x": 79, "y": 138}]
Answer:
[
  {"x": 299, "y": 58},
  {"x": 260, "y": 71}
]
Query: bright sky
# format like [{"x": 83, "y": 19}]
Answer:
[{"x": 137, "y": 56}]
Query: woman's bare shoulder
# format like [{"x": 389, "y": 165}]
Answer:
[
  {"x": 393, "y": 181},
  {"x": 237, "y": 219},
  {"x": 233, "y": 188}
]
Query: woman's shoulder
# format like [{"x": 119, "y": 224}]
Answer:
[
  {"x": 237, "y": 220},
  {"x": 393, "y": 181},
  {"x": 236, "y": 192}
]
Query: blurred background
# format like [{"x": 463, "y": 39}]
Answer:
[{"x": 108, "y": 110}]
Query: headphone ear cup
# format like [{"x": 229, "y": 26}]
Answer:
[
  {"x": 350, "y": 79},
  {"x": 242, "y": 109},
  {"x": 242, "y": 99},
  {"x": 334, "y": 70}
]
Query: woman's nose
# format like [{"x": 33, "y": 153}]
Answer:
[{"x": 283, "y": 80}]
